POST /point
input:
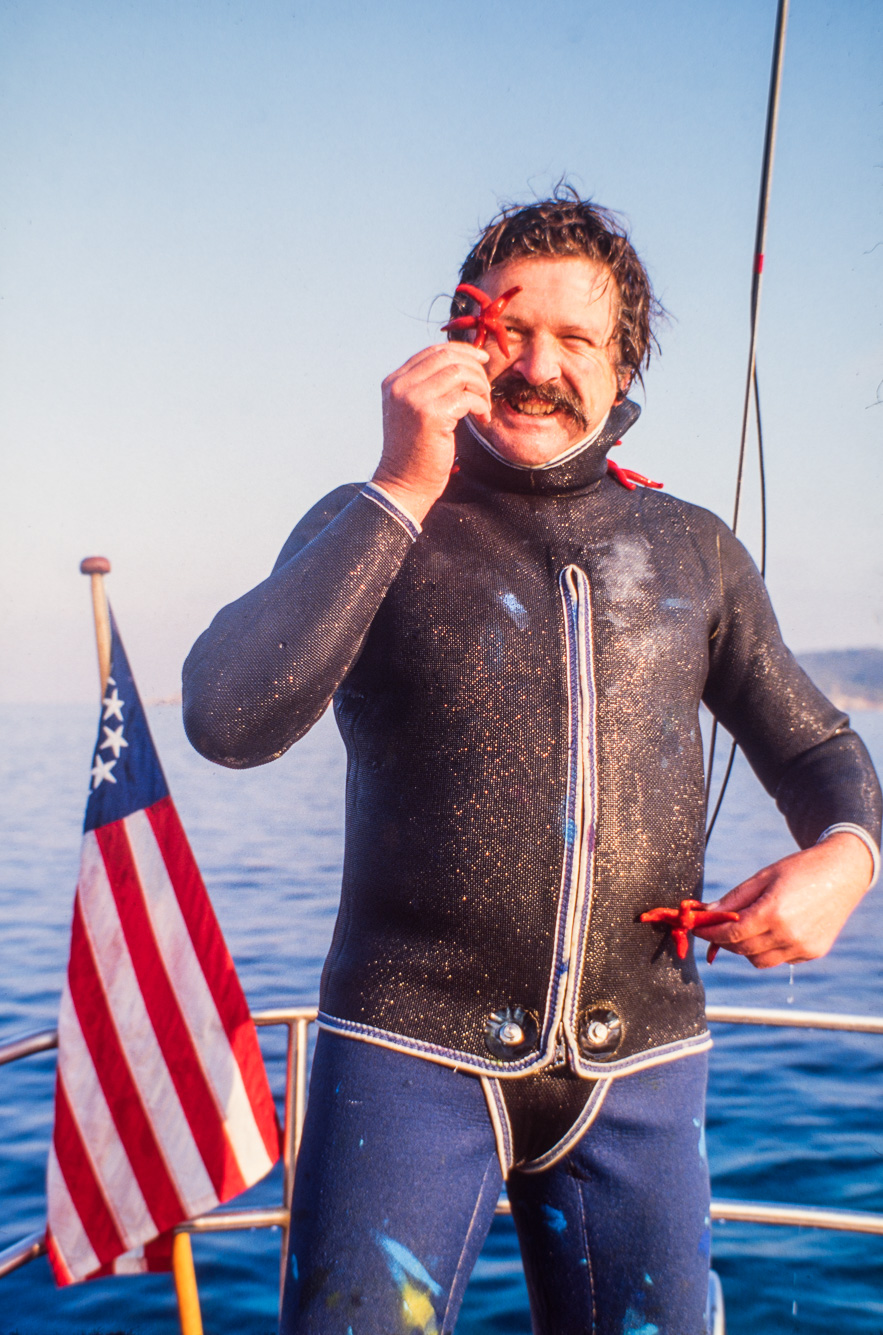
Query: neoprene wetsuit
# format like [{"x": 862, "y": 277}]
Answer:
[{"x": 518, "y": 688}]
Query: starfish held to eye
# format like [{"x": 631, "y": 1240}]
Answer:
[
  {"x": 487, "y": 321},
  {"x": 691, "y": 913}
]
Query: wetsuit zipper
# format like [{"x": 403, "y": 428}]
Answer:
[{"x": 580, "y": 813}]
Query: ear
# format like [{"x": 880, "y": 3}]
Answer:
[{"x": 624, "y": 378}]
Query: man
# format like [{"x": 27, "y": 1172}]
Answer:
[{"x": 517, "y": 646}]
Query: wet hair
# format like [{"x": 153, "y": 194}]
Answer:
[{"x": 566, "y": 225}]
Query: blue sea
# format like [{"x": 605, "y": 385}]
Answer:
[{"x": 793, "y": 1116}]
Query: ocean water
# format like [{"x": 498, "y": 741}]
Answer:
[{"x": 793, "y": 1116}]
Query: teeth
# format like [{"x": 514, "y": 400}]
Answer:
[{"x": 535, "y": 409}]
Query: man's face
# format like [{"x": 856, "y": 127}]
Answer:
[{"x": 560, "y": 379}]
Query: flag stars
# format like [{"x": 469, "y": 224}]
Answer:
[
  {"x": 114, "y": 739},
  {"x": 101, "y": 770},
  {"x": 113, "y": 706}
]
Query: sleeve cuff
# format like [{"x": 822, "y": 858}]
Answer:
[
  {"x": 845, "y": 827},
  {"x": 379, "y": 497}
]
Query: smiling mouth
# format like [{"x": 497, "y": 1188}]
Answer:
[
  {"x": 533, "y": 407},
  {"x": 543, "y": 401}
]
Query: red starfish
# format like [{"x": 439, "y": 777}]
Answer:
[
  {"x": 487, "y": 321},
  {"x": 691, "y": 913},
  {"x": 628, "y": 477}
]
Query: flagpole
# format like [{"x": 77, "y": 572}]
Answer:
[
  {"x": 189, "y": 1313},
  {"x": 97, "y": 567}
]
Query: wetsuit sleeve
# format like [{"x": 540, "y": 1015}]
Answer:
[
  {"x": 800, "y": 746},
  {"x": 269, "y": 663}
]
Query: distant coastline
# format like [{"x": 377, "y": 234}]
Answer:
[{"x": 851, "y": 678}]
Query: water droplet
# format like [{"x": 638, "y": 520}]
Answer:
[{"x": 790, "y": 984}]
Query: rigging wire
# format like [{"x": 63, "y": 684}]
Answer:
[
  {"x": 752, "y": 388},
  {"x": 733, "y": 745}
]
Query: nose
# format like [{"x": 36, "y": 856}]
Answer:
[{"x": 538, "y": 359}]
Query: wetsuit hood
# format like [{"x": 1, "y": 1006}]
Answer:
[{"x": 576, "y": 472}]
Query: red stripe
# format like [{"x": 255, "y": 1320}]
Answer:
[
  {"x": 123, "y": 1099},
  {"x": 156, "y": 1259},
  {"x": 79, "y": 1175},
  {"x": 758, "y": 263},
  {"x": 158, "y": 1253},
  {"x": 60, "y": 1268},
  {"x": 168, "y": 1023},
  {"x": 217, "y": 965}
]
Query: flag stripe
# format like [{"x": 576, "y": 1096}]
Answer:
[
  {"x": 174, "y": 1039},
  {"x": 94, "y": 1010},
  {"x": 82, "y": 1182},
  {"x": 98, "y": 1132},
  {"x": 216, "y": 964},
  {"x": 143, "y": 1059},
  {"x": 154, "y": 1257},
  {"x": 195, "y": 1000},
  {"x": 66, "y": 1242}
]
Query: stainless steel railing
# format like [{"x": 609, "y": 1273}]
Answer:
[{"x": 299, "y": 1018}]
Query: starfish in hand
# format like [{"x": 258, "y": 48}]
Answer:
[
  {"x": 691, "y": 913},
  {"x": 487, "y": 321}
]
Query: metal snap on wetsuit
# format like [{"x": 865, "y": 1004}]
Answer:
[{"x": 518, "y": 689}]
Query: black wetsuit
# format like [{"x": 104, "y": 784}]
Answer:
[{"x": 518, "y": 691}]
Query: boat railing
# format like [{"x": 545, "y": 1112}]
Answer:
[{"x": 298, "y": 1019}]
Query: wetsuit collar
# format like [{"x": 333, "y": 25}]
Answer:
[{"x": 581, "y": 466}]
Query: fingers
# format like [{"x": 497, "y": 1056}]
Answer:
[
  {"x": 744, "y": 894},
  {"x": 438, "y": 354},
  {"x": 431, "y": 387},
  {"x": 423, "y": 401}
]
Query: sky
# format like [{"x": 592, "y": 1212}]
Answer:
[{"x": 223, "y": 223}]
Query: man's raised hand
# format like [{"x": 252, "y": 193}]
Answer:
[{"x": 422, "y": 403}]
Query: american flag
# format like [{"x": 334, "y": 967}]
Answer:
[{"x": 162, "y": 1107}]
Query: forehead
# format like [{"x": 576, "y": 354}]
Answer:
[{"x": 568, "y": 288}]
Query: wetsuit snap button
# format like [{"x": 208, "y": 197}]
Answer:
[
  {"x": 600, "y": 1032},
  {"x": 511, "y": 1032}
]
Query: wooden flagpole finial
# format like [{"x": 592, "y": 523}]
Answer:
[{"x": 97, "y": 567}]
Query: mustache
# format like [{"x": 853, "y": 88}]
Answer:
[{"x": 512, "y": 388}]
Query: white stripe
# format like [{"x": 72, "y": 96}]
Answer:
[
  {"x": 497, "y": 1111},
  {"x": 464, "y": 1061},
  {"x": 590, "y": 1111},
  {"x": 642, "y": 1061},
  {"x": 130, "y": 1263},
  {"x": 398, "y": 512},
  {"x": 538, "y": 468},
  {"x": 64, "y": 1221},
  {"x": 847, "y": 827},
  {"x": 89, "y": 1109},
  {"x": 132, "y": 1023},
  {"x": 196, "y": 1002},
  {"x": 579, "y": 948}
]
